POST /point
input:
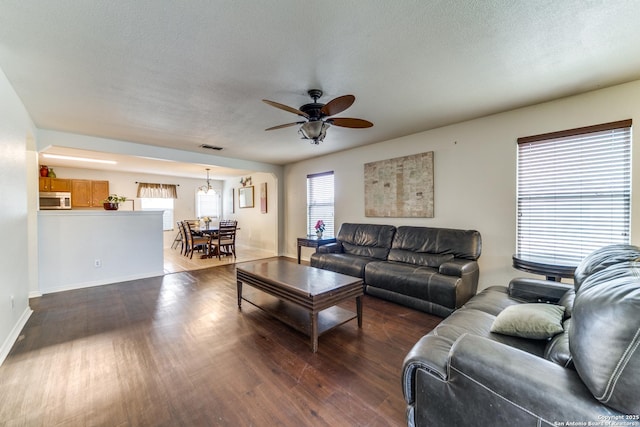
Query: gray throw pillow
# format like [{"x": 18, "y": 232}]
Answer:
[{"x": 535, "y": 321}]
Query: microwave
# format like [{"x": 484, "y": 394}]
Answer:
[{"x": 57, "y": 200}]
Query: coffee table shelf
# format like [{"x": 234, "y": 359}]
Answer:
[{"x": 295, "y": 316}]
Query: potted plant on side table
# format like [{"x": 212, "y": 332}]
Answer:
[{"x": 111, "y": 203}]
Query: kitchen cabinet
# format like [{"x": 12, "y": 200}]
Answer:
[
  {"x": 88, "y": 194},
  {"x": 99, "y": 192},
  {"x": 54, "y": 184}
]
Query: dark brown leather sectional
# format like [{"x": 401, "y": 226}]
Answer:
[{"x": 430, "y": 269}]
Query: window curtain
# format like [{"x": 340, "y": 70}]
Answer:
[{"x": 157, "y": 191}]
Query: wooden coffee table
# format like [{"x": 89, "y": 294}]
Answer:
[{"x": 303, "y": 297}]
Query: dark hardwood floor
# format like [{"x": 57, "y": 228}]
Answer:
[{"x": 176, "y": 351}]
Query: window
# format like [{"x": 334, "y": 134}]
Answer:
[
  {"x": 158, "y": 197},
  {"x": 320, "y": 202},
  {"x": 208, "y": 204},
  {"x": 157, "y": 204},
  {"x": 573, "y": 191}
]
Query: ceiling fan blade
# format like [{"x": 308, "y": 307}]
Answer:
[
  {"x": 346, "y": 122},
  {"x": 338, "y": 105},
  {"x": 286, "y": 108},
  {"x": 284, "y": 126}
]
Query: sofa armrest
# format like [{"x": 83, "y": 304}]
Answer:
[
  {"x": 537, "y": 290},
  {"x": 458, "y": 267},
  {"x": 331, "y": 248},
  {"x": 430, "y": 353},
  {"x": 469, "y": 273}
]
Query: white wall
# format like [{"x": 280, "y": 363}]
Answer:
[
  {"x": 127, "y": 246},
  {"x": 475, "y": 173},
  {"x": 16, "y": 133},
  {"x": 256, "y": 229}
]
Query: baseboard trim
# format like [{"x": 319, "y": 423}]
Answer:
[
  {"x": 14, "y": 334},
  {"x": 109, "y": 281}
]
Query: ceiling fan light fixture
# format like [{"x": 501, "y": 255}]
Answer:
[
  {"x": 320, "y": 116},
  {"x": 314, "y": 131}
]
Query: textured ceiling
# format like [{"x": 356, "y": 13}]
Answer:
[{"x": 181, "y": 74}]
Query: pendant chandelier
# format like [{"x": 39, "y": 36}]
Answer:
[{"x": 206, "y": 188}]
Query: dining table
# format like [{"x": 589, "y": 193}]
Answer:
[
  {"x": 201, "y": 231},
  {"x": 212, "y": 232}
]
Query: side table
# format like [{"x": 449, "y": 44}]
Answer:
[
  {"x": 548, "y": 267},
  {"x": 313, "y": 242}
]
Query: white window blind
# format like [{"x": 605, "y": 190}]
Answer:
[
  {"x": 573, "y": 191},
  {"x": 208, "y": 204},
  {"x": 320, "y": 192}
]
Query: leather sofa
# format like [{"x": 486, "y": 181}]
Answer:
[
  {"x": 430, "y": 269},
  {"x": 462, "y": 373}
]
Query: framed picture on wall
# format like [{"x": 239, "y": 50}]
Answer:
[
  {"x": 263, "y": 197},
  {"x": 245, "y": 197},
  {"x": 233, "y": 200},
  {"x": 400, "y": 187}
]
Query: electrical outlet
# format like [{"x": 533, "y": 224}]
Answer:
[{"x": 97, "y": 263}]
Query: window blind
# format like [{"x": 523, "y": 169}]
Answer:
[
  {"x": 320, "y": 202},
  {"x": 208, "y": 204},
  {"x": 573, "y": 191}
]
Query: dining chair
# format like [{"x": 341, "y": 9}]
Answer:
[
  {"x": 185, "y": 240},
  {"x": 179, "y": 239},
  {"x": 196, "y": 242},
  {"x": 226, "y": 241},
  {"x": 193, "y": 223},
  {"x": 188, "y": 227}
]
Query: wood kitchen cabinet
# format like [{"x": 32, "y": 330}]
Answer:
[
  {"x": 54, "y": 184},
  {"x": 88, "y": 194}
]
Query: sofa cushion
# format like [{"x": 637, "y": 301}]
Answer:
[
  {"x": 478, "y": 323},
  {"x": 415, "y": 281},
  {"x": 410, "y": 257},
  {"x": 465, "y": 244},
  {"x": 605, "y": 334},
  {"x": 349, "y": 264},
  {"x": 534, "y": 321},
  {"x": 366, "y": 240},
  {"x": 491, "y": 300},
  {"x": 558, "y": 350},
  {"x": 603, "y": 258}
]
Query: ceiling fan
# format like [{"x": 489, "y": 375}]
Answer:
[{"x": 318, "y": 116}]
